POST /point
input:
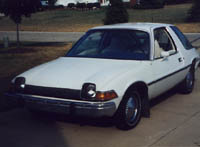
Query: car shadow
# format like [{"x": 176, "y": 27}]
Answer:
[
  {"x": 79, "y": 120},
  {"x": 20, "y": 129},
  {"x": 103, "y": 122}
]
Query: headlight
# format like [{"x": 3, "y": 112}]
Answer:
[
  {"x": 19, "y": 84},
  {"x": 89, "y": 92}
]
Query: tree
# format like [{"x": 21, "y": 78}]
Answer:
[
  {"x": 16, "y": 9},
  {"x": 116, "y": 13},
  {"x": 194, "y": 12}
]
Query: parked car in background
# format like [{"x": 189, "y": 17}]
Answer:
[
  {"x": 44, "y": 3},
  {"x": 112, "y": 71}
]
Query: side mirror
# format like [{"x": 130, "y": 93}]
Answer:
[
  {"x": 164, "y": 54},
  {"x": 172, "y": 52}
]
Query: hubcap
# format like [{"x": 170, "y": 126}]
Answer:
[{"x": 131, "y": 110}]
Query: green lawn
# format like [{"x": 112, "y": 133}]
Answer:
[
  {"x": 14, "y": 61},
  {"x": 76, "y": 20}
]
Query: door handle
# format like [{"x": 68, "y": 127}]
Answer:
[{"x": 180, "y": 59}]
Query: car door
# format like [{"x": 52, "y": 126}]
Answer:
[{"x": 166, "y": 69}]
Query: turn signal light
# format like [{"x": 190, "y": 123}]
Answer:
[{"x": 104, "y": 96}]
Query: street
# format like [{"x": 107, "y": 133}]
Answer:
[
  {"x": 43, "y": 36},
  {"x": 68, "y": 36}
]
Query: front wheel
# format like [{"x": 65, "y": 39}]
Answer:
[{"x": 129, "y": 111}]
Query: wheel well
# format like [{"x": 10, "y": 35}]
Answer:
[
  {"x": 142, "y": 88},
  {"x": 193, "y": 64}
]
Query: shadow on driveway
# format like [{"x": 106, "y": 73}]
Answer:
[{"x": 20, "y": 129}]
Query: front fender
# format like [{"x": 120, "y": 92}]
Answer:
[{"x": 121, "y": 83}]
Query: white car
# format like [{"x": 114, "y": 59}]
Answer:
[{"x": 112, "y": 71}]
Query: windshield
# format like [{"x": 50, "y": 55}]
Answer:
[{"x": 113, "y": 44}]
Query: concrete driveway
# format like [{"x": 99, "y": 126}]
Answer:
[{"x": 175, "y": 121}]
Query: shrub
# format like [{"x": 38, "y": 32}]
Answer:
[
  {"x": 116, "y": 13},
  {"x": 127, "y": 4},
  {"x": 93, "y": 5},
  {"x": 71, "y": 5},
  {"x": 97, "y": 5},
  {"x": 81, "y": 6}
]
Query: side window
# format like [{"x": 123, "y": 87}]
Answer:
[
  {"x": 162, "y": 42},
  {"x": 182, "y": 38}
]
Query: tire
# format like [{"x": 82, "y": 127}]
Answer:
[
  {"x": 187, "y": 85},
  {"x": 129, "y": 111}
]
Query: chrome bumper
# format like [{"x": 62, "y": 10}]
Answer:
[{"x": 91, "y": 109}]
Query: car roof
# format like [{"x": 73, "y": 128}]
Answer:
[{"x": 135, "y": 26}]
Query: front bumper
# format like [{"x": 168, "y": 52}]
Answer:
[{"x": 82, "y": 108}]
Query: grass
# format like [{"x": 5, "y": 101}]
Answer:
[
  {"x": 14, "y": 61},
  {"x": 64, "y": 20}
]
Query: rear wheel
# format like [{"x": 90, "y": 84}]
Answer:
[
  {"x": 129, "y": 111},
  {"x": 187, "y": 85}
]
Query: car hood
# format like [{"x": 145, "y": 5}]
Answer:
[{"x": 68, "y": 72}]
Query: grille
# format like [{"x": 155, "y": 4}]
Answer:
[{"x": 51, "y": 92}]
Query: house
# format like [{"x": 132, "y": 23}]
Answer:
[
  {"x": 66, "y": 2},
  {"x": 102, "y": 2}
]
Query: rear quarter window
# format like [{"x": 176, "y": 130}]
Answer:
[{"x": 182, "y": 38}]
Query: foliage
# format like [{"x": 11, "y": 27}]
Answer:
[
  {"x": 15, "y": 9},
  {"x": 116, "y": 13},
  {"x": 194, "y": 12}
]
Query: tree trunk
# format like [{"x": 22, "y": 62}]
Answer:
[{"x": 18, "y": 43}]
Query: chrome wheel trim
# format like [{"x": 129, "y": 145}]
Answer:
[{"x": 132, "y": 109}]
